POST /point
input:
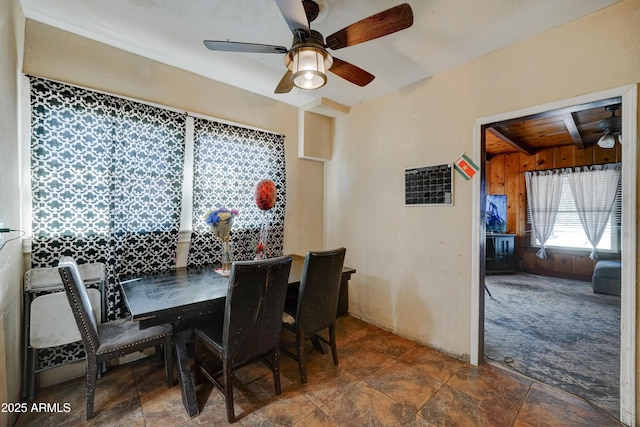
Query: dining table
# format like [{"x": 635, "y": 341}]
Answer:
[{"x": 186, "y": 296}]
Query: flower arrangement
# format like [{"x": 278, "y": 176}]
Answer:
[{"x": 221, "y": 220}]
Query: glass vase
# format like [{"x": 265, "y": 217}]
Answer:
[
  {"x": 262, "y": 250},
  {"x": 226, "y": 257}
]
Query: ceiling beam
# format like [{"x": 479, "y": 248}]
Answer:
[
  {"x": 523, "y": 148},
  {"x": 570, "y": 123},
  {"x": 555, "y": 113}
]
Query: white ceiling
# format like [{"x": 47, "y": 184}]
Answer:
[{"x": 445, "y": 33}]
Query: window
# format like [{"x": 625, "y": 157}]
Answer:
[
  {"x": 569, "y": 233},
  {"x": 568, "y": 229},
  {"x": 106, "y": 179},
  {"x": 228, "y": 163}
]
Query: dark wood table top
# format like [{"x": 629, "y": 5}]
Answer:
[
  {"x": 154, "y": 295},
  {"x": 185, "y": 292}
]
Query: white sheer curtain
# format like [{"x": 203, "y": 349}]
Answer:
[
  {"x": 594, "y": 191},
  {"x": 543, "y": 197}
]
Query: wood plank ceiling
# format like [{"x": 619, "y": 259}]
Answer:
[{"x": 582, "y": 125}]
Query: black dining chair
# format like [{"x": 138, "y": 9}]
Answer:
[
  {"x": 108, "y": 340},
  {"x": 250, "y": 328},
  {"x": 316, "y": 306}
]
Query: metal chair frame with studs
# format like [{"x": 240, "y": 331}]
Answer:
[{"x": 108, "y": 340}]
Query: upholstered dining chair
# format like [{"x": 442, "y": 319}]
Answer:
[
  {"x": 250, "y": 327},
  {"x": 108, "y": 340},
  {"x": 316, "y": 306}
]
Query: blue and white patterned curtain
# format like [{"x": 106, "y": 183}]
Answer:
[
  {"x": 106, "y": 182},
  {"x": 229, "y": 161}
]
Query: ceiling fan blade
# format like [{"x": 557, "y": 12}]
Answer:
[
  {"x": 386, "y": 22},
  {"x": 227, "y": 46},
  {"x": 293, "y": 12},
  {"x": 285, "y": 84},
  {"x": 350, "y": 72}
]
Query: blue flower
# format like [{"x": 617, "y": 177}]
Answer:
[
  {"x": 213, "y": 218},
  {"x": 222, "y": 214}
]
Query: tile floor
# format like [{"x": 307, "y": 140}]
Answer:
[{"x": 382, "y": 380}]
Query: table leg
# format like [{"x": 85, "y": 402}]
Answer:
[{"x": 189, "y": 398}]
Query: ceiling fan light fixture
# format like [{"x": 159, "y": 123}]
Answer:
[
  {"x": 607, "y": 141},
  {"x": 308, "y": 65}
]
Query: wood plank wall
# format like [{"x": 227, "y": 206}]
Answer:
[{"x": 505, "y": 175}]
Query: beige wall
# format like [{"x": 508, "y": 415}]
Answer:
[
  {"x": 11, "y": 30},
  {"x": 59, "y": 55},
  {"x": 414, "y": 263}
]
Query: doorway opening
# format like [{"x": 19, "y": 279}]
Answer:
[{"x": 628, "y": 101}]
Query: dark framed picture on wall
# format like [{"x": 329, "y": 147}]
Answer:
[{"x": 496, "y": 213}]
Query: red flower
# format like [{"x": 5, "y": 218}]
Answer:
[{"x": 265, "y": 194}]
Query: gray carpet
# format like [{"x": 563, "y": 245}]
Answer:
[{"x": 556, "y": 331}]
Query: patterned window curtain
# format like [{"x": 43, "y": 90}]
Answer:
[
  {"x": 106, "y": 182},
  {"x": 229, "y": 161},
  {"x": 594, "y": 191}
]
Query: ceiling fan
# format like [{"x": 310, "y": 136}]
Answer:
[
  {"x": 308, "y": 58},
  {"x": 610, "y": 126}
]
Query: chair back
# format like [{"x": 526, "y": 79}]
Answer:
[
  {"x": 80, "y": 303},
  {"x": 319, "y": 290},
  {"x": 254, "y": 307}
]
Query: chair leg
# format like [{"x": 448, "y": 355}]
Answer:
[
  {"x": 168, "y": 360},
  {"x": 33, "y": 365},
  {"x": 92, "y": 374},
  {"x": 26, "y": 374},
  {"x": 332, "y": 341},
  {"x": 197, "y": 373},
  {"x": 159, "y": 353},
  {"x": 276, "y": 371},
  {"x": 300, "y": 353},
  {"x": 227, "y": 378}
]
